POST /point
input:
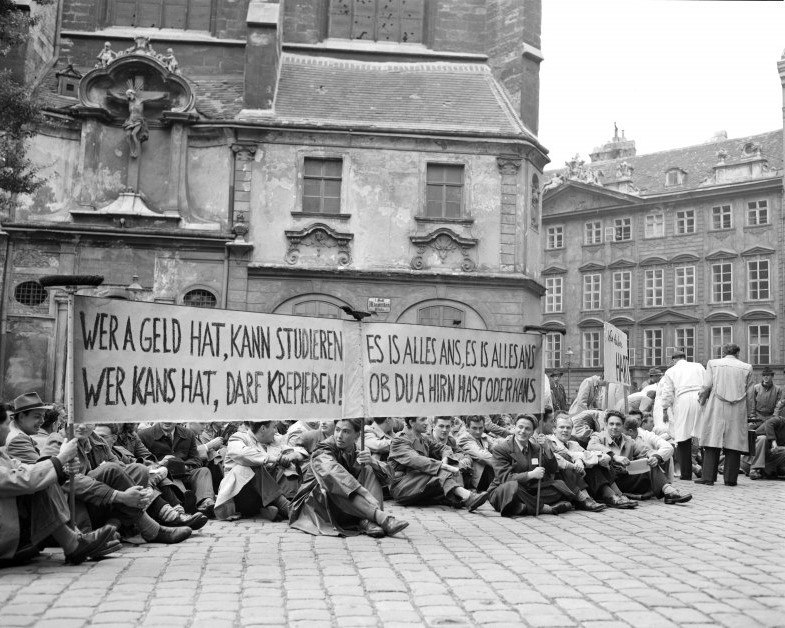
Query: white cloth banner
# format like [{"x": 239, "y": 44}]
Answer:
[{"x": 615, "y": 357}]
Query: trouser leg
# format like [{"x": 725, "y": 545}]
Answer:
[
  {"x": 711, "y": 462},
  {"x": 596, "y": 478},
  {"x": 759, "y": 459},
  {"x": 684, "y": 458},
  {"x": 775, "y": 462},
  {"x": 658, "y": 478},
  {"x": 732, "y": 462},
  {"x": 367, "y": 478},
  {"x": 201, "y": 483}
]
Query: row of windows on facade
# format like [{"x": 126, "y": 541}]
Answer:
[
  {"x": 655, "y": 352},
  {"x": 322, "y": 180},
  {"x": 31, "y": 294},
  {"x": 685, "y": 223},
  {"x": 376, "y": 20},
  {"x": 721, "y": 276}
]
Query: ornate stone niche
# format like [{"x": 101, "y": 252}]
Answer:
[
  {"x": 443, "y": 247},
  {"x": 318, "y": 245}
]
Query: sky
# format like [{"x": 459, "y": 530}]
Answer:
[{"x": 670, "y": 73}]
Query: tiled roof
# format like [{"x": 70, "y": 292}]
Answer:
[
  {"x": 439, "y": 96},
  {"x": 697, "y": 161}
]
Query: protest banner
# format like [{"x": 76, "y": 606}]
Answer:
[
  {"x": 136, "y": 362},
  {"x": 615, "y": 356}
]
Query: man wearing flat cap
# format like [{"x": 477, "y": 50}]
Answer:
[
  {"x": 558, "y": 394},
  {"x": 655, "y": 375},
  {"x": 27, "y": 416},
  {"x": 679, "y": 390},
  {"x": 766, "y": 402}
]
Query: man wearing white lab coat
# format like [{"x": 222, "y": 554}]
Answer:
[{"x": 679, "y": 389}]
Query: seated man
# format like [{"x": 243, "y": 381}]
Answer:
[
  {"x": 477, "y": 445},
  {"x": 54, "y": 420},
  {"x": 378, "y": 437},
  {"x": 520, "y": 486},
  {"x": 340, "y": 494},
  {"x": 640, "y": 427},
  {"x": 176, "y": 448},
  {"x": 27, "y": 418},
  {"x": 420, "y": 475},
  {"x": 585, "y": 423},
  {"x": 441, "y": 434},
  {"x": 298, "y": 427},
  {"x": 498, "y": 425},
  {"x": 259, "y": 474},
  {"x": 33, "y": 508},
  {"x": 306, "y": 442},
  {"x": 623, "y": 450},
  {"x": 769, "y": 459}
]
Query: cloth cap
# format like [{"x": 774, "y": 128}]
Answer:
[
  {"x": 28, "y": 401},
  {"x": 679, "y": 353},
  {"x": 768, "y": 371},
  {"x": 654, "y": 371}
]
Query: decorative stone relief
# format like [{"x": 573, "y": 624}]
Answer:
[
  {"x": 442, "y": 243},
  {"x": 319, "y": 245},
  {"x": 535, "y": 201},
  {"x": 508, "y": 165},
  {"x": 32, "y": 258}
]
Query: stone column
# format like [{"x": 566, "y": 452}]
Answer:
[{"x": 511, "y": 235}]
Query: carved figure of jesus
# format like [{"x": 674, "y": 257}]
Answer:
[{"x": 135, "y": 126}]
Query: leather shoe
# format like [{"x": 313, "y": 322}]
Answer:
[
  {"x": 560, "y": 507},
  {"x": 591, "y": 505},
  {"x": 755, "y": 474},
  {"x": 368, "y": 528},
  {"x": 392, "y": 526},
  {"x": 704, "y": 481},
  {"x": 475, "y": 500},
  {"x": 111, "y": 547},
  {"x": 618, "y": 501},
  {"x": 207, "y": 508},
  {"x": 172, "y": 535},
  {"x": 677, "y": 498},
  {"x": 89, "y": 544},
  {"x": 731, "y": 483},
  {"x": 195, "y": 521}
]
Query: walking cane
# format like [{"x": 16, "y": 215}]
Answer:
[
  {"x": 539, "y": 486},
  {"x": 70, "y": 284}
]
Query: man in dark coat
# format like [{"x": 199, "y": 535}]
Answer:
[
  {"x": 341, "y": 494},
  {"x": 422, "y": 473},
  {"x": 558, "y": 394}
]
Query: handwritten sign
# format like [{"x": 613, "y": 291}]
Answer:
[
  {"x": 615, "y": 356},
  {"x": 138, "y": 361}
]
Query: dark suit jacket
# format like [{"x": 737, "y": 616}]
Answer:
[
  {"x": 410, "y": 452},
  {"x": 512, "y": 464},
  {"x": 183, "y": 445}
]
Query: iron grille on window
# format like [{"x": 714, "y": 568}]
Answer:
[
  {"x": 30, "y": 293},
  {"x": 200, "y": 298}
]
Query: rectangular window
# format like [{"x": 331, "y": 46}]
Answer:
[
  {"x": 759, "y": 342},
  {"x": 592, "y": 285},
  {"x": 553, "y": 350},
  {"x": 685, "y": 221},
  {"x": 721, "y": 217},
  {"x": 553, "y": 294},
  {"x": 377, "y": 20},
  {"x": 655, "y": 226},
  {"x": 444, "y": 191},
  {"x": 555, "y": 237},
  {"x": 758, "y": 280},
  {"x": 622, "y": 289},
  {"x": 654, "y": 293},
  {"x": 591, "y": 349},
  {"x": 722, "y": 282},
  {"x": 757, "y": 213},
  {"x": 622, "y": 229},
  {"x": 322, "y": 185},
  {"x": 720, "y": 335},
  {"x": 592, "y": 232},
  {"x": 652, "y": 347},
  {"x": 180, "y": 14},
  {"x": 685, "y": 340},
  {"x": 685, "y": 285}
]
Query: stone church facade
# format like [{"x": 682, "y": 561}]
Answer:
[{"x": 283, "y": 157}]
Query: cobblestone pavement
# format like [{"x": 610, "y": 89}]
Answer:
[{"x": 719, "y": 560}]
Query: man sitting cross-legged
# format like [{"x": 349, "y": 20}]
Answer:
[
  {"x": 259, "y": 474},
  {"x": 476, "y": 444},
  {"x": 33, "y": 508},
  {"x": 420, "y": 474},
  {"x": 441, "y": 434},
  {"x": 769, "y": 459},
  {"x": 640, "y": 427},
  {"x": 341, "y": 494},
  {"x": 623, "y": 450},
  {"x": 521, "y": 464}
]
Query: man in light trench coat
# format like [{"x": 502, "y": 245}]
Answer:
[
  {"x": 723, "y": 419},
  {"x": 679, "y": 389}
]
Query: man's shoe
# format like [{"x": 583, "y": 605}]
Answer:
[
  {"x": 172, "y": 535},
  {"x": 755, "y": 474},
  {"x": 89, "y": 544},
  {"x": 368, "y": 528},
  {"x": 392, "y": 526},
  {"x": 475, "y": 500},
  {"x": 207, "y": 508},
  {"x": 639, "y": 497},
  {"x": 591, "y": 506},
  {"x": 619, "y": 501},
  {"x": 730, "y": 483},
  {"x": 196, "y": 521},
  {"x": 677, "y": 498},
  {"x": 111, "y": 547},
  {"x": 560, "y": 507},
  {"x": 704, "y": 481}
]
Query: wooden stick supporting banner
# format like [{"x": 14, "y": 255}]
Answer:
[
  {"x": 537, "y": 508},
  {"x": 69, "y": 392}
]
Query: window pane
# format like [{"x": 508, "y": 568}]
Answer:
[
  {"x": 331, "y": 205},
  {"x": 313, "y": 167},
  {"x": 452, "y": 210},
  {"x": 311, "y": 204},
  {"x": 332, "y": 168},
  {"x": 433, "y": 209},
  {"x": 453, "y": 193},
  {"x": 332, "y": 188},
  {"x": 312, "y": 187}
]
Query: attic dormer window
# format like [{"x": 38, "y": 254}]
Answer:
[{"x": 674, "y": 176}]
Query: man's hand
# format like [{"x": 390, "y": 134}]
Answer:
[
  {"x": 465, "y": 463},
  {"x": 287, "y": 459},
  {"x": 67, "y": 450},
  {"x": 579, "y": 468},
  {"x": 216, "y": 443},
  {"x": 605, "y": 461},
  {"x": 133, "y": 497},
  {"x": 161, "y": 472},
  {"x": 537, "y": 473},
  {"x": 364, "y": 456},
  {"x": 653, "y": 461},
  {"x": 449, "y": 468},
  {"x": 622, "y": 460},
  {"x": 73, "y": 467},
  {"x": 776, "y": 449},
  {"x": 541, "y": 438}
]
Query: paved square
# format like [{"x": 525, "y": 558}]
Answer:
[{"x": 719, "y": 560}]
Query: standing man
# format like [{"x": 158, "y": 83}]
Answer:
[
  {"x": 726, "y": 402},
  {"x": 655, "y": 375},
  {"x": 558, "y": 394},
  {"x": 679, "y": 391},
  {"x": 590, "y": 395}
]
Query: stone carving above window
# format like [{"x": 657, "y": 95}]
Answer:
[
  {"x": 318, "y": 245},
  {"x": 443, "y": 247}
]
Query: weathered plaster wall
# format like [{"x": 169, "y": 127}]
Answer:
[{"x": 208, "y": 175}]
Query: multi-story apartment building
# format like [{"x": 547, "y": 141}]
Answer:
[
  {"x": 285, "y": 157},
  {"x": 680, "y": 248}
]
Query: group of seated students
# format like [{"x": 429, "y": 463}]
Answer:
[{"x": 158, "y": 483}]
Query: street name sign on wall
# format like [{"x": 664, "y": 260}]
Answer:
[
  {"x": 379, "y": 304},
  {"x": 152, "y": 362},
  {"x": 615, "y": 355}
]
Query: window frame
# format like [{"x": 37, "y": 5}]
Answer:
[
  {"x": 653, "y": 354},
  {"x": 205, "y": 289},
  {"x": 552, "y": 297},
  {"x": 592, "y": 291},
  {"x": 462, "y": 210},
  {"x": 622, "y": 226},
  {"x": 715, "y": 350},
  {"x": 717, "y": 286},
  {"x": 652, "y": 233},
  {"x": 687, "y": 220},
  {"x": 442, "y": 316},
  {"x": 755, "y": 285},
  {"x": 650, "y": 298},
  {"x": 591, "y": 351},
  {"x": 322, "y": 178},
  {"x": 688, "y": 347},
  {"x": 331, "y": 31},
  {"x": 110, "y": 15},
  {"x": 677, "y": 174},
  {"x": 553, "y": 349},
  {"x": 595, "y": 231},
  {"x": 754, "y": 349},
  {"x": 719, "y": 214},
  {"x": 554, "y": 238},
  {"x": 681, "y": 284},
  {"x": 618, "y": 289},
  {"x": 755, "y": 208}
]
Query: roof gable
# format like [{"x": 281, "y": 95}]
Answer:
[
  {"x": 668, "y": 317},
  {"x": 621, "y": 263},
  {"x": 600, "y": 196},
  {"x": 757, "y": 250},
  {"x": 590, "y": 266},
  {"x": 721, "y": 254}
]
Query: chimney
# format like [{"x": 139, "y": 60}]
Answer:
[{"x": 262, "y": 53}]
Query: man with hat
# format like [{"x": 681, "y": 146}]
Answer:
[
  {"x": 655, "y": 375},
  {"x": 27, "y": 416},
  {"x": 558, "y": 394},
  {"x": 679, "y": 390},
  {"x": 766, "y": 401}
]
